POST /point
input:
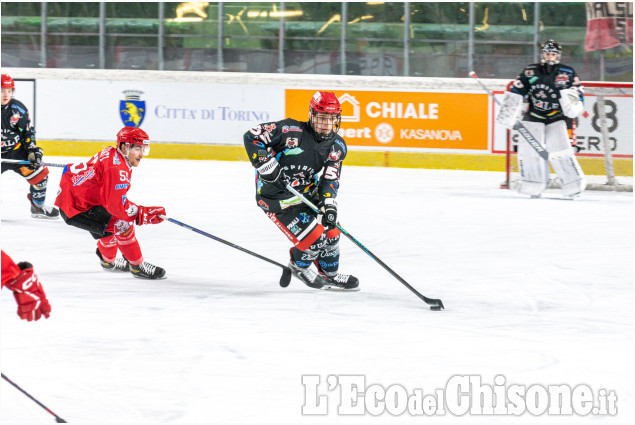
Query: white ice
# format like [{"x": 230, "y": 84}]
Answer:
[{"x": 538, "y": 291}]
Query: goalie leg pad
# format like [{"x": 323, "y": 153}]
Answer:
[
  {"x": 566, "y": 168},
  {"x": 534, "y": 170}
]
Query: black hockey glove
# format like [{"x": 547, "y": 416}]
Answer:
[
  {"x": 35, "y": 156},
  {"x": 271, "y": 173},
  {"x": 329, "y": 213}
]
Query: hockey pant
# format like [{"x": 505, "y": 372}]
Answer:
[
  {"x": 112, "y": 234},
  {"x": 37, "y": 178},
  {"x": 534, "y": 170},
  {"x": 312, "y": 242}
]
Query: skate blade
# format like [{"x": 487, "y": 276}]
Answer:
[
  {"x": 44, "y": 217},
  {"x": 339, "y": 288},
  {"x": 149, "y": 278}
]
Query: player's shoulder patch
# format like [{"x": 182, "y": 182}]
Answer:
[
  {"x": 290, "y": 125},
  {"x": 17, "y": 105},
  {"x": 339, "y": 144}
]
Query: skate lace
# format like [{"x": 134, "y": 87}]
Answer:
[
  {"x": 307, "y": 273},
  {"x": 341, "y": 278},
  {"x": 147, "y": 268},
  {"x": 121, "y": 263}
]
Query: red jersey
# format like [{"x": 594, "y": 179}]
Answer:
[{"x": 102, "y": 180}]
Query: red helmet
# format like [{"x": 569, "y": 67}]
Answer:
[
  {"x": 134, "y": 136},
  {"x": 324, "y": 102},
  {"x": 7, "y": 82}
]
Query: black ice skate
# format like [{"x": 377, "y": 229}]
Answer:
[
  {"x": 147, "y": 271},
  {"x": 308, "y": 276},
  {"x": 43, "y": 211},
  {"x": 119, "y": 265},
  {"x": 339, "y": 281}
]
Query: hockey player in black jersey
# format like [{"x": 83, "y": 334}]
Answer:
[
  {"x": 18, "y": 143},
  {"x": 307, "y": 155},
  {"x": 554, "y": 93}
]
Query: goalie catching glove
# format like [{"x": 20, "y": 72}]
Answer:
[
  {"x": 571, "y": 103},
  {"x": 149, "y": 215},
  {"x": 28, "y": 293},
  {"x": 510, "y": 110}
]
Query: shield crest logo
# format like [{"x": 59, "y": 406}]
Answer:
[{"x": 132, "y": 109}]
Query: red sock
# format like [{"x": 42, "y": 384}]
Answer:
[{"x": 108, "y": 248}]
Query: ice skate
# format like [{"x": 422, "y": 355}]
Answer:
[
  {"x": 147, "y": 271},
  {"x": 340, "y": 282},
  {"x": 119, "y": 265},
  {"x": 43, "y": 211},
  {"x": 310, "y": 278}
]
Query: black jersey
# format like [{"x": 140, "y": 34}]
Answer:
[
  {"x": 310, "y": 166},
  {"x": 542, "y": 84},
  {"x": 17, "y": 130}
]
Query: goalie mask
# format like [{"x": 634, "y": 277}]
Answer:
[
  {"x": 551, "y": 53},
  {"x": 130, "y": 136},
  {"x": 324, "y": 115}
]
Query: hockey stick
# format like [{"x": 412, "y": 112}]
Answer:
[
  {"x": 523, "y": 130},
  {"x": 57, "y": 418},
  {"x": 435, "y": 304},
  {"x": 285, "y": 279},
  {"x": 44, "y": 164}
]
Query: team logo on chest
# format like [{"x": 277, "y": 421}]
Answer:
[
  {"x": 292, "y": 142},
  {"x": 561, "y": 79}
]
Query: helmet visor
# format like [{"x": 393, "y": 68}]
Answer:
[{"x": 145, "y": 149}]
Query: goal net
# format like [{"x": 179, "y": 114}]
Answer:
[{"x": 602, "y": 139}]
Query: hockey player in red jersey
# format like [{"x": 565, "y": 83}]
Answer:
[
  {"x": 18, "y": 143},
  {"x": 27, "y": 290},
  {"x": 93, "y": 197},
  {"x": 309, "y": 156}
]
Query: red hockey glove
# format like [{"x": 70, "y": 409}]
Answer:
[
  {"x": 149, "y": 215},
  {"x": 28, "y": 293}
]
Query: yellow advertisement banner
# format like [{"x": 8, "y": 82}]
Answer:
[{"x": 404, "y": 119}]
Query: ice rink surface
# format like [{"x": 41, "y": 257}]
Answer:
[{"x": 538, "y": 291}]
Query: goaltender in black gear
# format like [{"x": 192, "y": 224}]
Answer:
[{"x": 307, "y": 155}]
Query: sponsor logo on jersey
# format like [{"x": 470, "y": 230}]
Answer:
[
  {"x": 291, "y": 142},
  {"x": 288, "y": 128},
  {"x": 529, "y": 72},
  {"x": 121, "y": 186},
  {"x": 305, "y": 218},
  {"x": 269, "y": 127},
  {"x": 263, "y": 205},
  {"x": 132, "y": 109},
  {"x": 295, "y": 151},
  {"x": 286, "y": 203}
]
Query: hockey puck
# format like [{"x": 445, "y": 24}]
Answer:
[{"x": 435, "y": 308}]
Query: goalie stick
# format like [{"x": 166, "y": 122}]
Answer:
[
  {"x": 435, "y": 304},
  {"x": 285, "y": 279},
  {"x": 518, "y": 126},
  {"x": 43, "y": 164},
  {"x": 57, "y": 418}
]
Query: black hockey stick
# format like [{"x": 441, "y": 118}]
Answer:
[
  {"x": 47, "y": 164},
  {"x": 435, "y": 304},
  {"x": 285, "y": 279},
  {"x": 57, "y": 418},
  {"x": 544, "y": 154}
]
